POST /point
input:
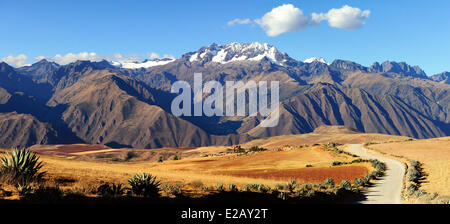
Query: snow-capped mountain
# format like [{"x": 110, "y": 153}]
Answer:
[
  {"x": 314, "y": 59},
  {"x": 144, "y": 64},
  {"x": 238, "y": 52}
]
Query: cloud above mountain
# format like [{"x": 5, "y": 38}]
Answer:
[
  {"x": 92, "y": 56},
  {"x": 17, "y": 61},
  {"x": 288, "y": 18}
]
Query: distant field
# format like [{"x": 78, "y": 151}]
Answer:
[
  {"x": 435, "y": 156},
  {"x": 325, "y": 134},
  {"x": 268, "y": 168}
]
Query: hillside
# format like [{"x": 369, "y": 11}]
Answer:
[{"x": 128, "y": 105}]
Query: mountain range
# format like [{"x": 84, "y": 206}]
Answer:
[{"x": 127, "y": 104}]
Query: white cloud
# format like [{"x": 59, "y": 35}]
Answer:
[
  {"x": 283, "y": 19},
  {"x": 71, "y": 57},
  {"x": 347, "y": 18},
  {"x": 16, "y": 61},
  {"x": 92, "y": 56},
  {"x": 239, "y": 22},
  {"x": 287, "y": 18}
]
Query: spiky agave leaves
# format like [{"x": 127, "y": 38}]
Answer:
[
  {"x": 144, "y": 184},
  {"x": 21, "y": 167}
]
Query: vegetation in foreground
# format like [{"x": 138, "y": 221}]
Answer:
[{"x": 21, "y": 169}]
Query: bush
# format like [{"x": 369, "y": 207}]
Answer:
[
  {"x": 21, "y": 168},
  {"x": 256, "y": 149},
  {"x": 131, "y": 155},
  {"x": 232, "y": 187},
  {"x": 176, "y": 157},
  {"x": 175, "y": 190},
  {"x": 144, "y": 185},
  {"x": 358, "y": 182},
  {"x": 220, "y": 187},
  {"x": 309, "y": 165},
  {"x": 280, "y": 186},
  {"x": 413, "y": 175},
  {"x": 420, "y": 193},
  {"x": 44, "y": 193},
  {"x": 346, "y": 185},
  {"x": 160, "y": 159},
  {"x": 113, "y": 190},
  {"x": 329, "y": 182},
  {"x": 336, "y": 163},
  {"x": 291, "y": 185},
  {"x": 411, "y": 189},
  {"x": 263, "y": 189},
  {"x": 307, "y": 187}
]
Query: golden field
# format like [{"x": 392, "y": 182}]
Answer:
[
  {"x": 434, "y": 154},
  {"x": 83, "y": 166},
  {"x": 268, "y": 168}
]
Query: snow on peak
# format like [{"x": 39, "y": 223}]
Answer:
[
  {"x": 314, "y": 59},
  {"x": 239, "y": 52},
  {"x": 143, "y": 64}
]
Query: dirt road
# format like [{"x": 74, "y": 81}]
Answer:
[{"x": 388, "y": 189}]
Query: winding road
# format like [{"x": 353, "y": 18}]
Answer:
[{"x": 388, "y": 189}]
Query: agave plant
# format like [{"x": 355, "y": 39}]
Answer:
[
  {"x": 21, "y": 167},
  {"x": 291, "y": 185},
  {"x": 113, "y": 190},
  {"x": 144, "y": 184}
]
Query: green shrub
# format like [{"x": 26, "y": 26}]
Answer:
[
  {"x": 21, "y": 168},
  {"x": 306, "y": 187},
  {"x": 232, "y": 187},
  {"x": 358, "y": 182},
  {"x": 309, "y": 165},
  {"x": 263, "y": 189},
  {"x": 280, "y": 186},
  {"x": 329, "y": 182},
  {"x": 336, "y": 163},
  {"x": 44, "y": 193},
  {"x": 420, "y": 193},
  {"x": 175, "y": 190},
  {"x": 256, "y": 149},
  {"x": 144, "y": 184},
  {"x": 160, "y": 159},
  {"x": 411, "y": 189},
  {"x": 220, "y": 187},
  {"x": 413, "y": 175},
  {"x": 113, "y": 190},
  {"x": 176, "y": 157},
  {"x": 346, "y": 185},
  {"x": 291, "y": 185}
]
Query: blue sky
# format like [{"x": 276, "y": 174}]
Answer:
[{"x": 417, "y": 32}]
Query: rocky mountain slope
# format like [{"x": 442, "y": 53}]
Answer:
[{"x": 128, "y": 104}]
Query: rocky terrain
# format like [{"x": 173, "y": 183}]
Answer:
[{"x": 128, "y": 105}]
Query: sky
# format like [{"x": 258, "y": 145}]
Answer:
[{"x": 416, "y": 32}]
